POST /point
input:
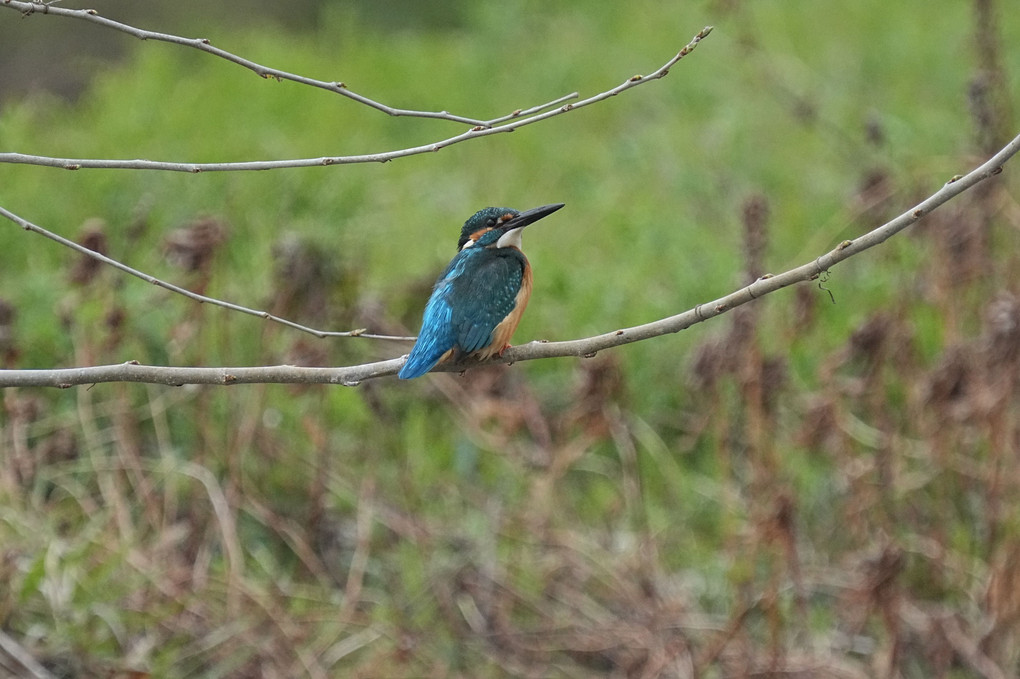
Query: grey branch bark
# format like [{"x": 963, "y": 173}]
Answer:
[{"x": 589, "y": 346}]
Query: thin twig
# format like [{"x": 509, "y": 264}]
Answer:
[
  {"x": 352, "y": 375},
  {"x": 27, "y": 666},
  {"x": 515, "y": 121},
  {"x": 29, "y": 226},
  {"x": 204, "y": 45}
]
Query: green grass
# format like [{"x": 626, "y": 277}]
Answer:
[{"x": 561, "y": 517}]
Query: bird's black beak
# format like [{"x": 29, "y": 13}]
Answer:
[{"x": 529, "y": 217}]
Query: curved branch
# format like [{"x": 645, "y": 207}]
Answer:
[
  {"x": 509, "y": 123},
  {"x": 202, "y": 299},
  {"x": 352, "y": 375},
  {"x": 204, "y": 45}
]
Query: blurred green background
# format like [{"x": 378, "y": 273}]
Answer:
[{"x": 800, "y": 487}]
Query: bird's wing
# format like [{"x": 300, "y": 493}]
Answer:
[
  {"x": 436, "y": 336},
  {"x": 480, "y": 302},
  {"x": 434, "y": 340}
]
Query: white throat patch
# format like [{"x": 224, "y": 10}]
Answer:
[{"x": 510, "y": 239}]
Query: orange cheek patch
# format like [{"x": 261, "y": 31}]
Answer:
[{"x": 478, "y": 234}]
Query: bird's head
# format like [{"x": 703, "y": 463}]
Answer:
[{"x": 500, "y": 226}]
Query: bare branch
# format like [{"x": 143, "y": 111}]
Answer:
[
  {"x": 29, "y": 226},
  {"x": 352, "y": 375},
  {"x": 204, "y": 45},
  {"x": 509, "y": 123}
]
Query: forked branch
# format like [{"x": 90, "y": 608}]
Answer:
[{"x": 508, "y": 123}]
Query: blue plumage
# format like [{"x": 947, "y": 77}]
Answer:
[{"x": 476, "y": 292}]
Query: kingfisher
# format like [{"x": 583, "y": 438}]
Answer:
[{"x": 479, "y": 298}]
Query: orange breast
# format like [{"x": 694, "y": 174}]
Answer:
[{"x": 502, "y": 333}]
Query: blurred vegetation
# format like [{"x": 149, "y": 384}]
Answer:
[{"x": 801, "y": 487}]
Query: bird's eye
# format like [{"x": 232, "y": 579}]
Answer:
[{"x": 491, "y": 221}]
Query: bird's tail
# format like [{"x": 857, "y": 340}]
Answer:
[{"x": 423, "y": 358}]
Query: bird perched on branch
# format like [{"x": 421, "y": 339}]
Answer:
[{"x": 479, "y": 298}]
